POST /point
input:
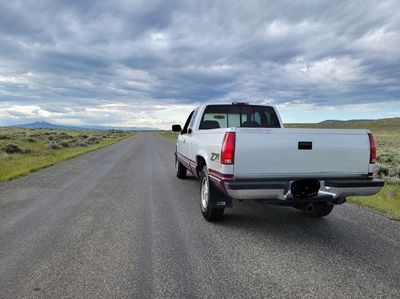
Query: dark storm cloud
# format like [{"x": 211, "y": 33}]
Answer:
[{"x": 84, "y": 54}]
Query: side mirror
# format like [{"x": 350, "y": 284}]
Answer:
[{"x": 176, "y": 128}]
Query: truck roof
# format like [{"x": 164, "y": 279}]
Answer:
[{"x": 237, "y": 103}]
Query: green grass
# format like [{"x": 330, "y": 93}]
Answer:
[
  {"x": 387, "y": 138},
  {"x": 169, "y": 135},
  {"x": 41, "y": 148},
  {"x": 387, "y": 201}
]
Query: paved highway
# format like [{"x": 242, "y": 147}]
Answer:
[{"x": 117, "y": 223}]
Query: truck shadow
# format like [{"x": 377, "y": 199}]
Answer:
[
  {"x": 336, "y": 234},
  {"x": 265, "y": 217},
  {"x": 191, "y": 177},
  {"x": 283, "y": 225}
]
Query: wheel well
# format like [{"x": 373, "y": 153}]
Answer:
[{"x": 200, "y": 164}]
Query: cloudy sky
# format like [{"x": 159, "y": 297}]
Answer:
[{"x": 148, "y": 63}]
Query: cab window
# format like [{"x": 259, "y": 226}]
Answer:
[
  {"x": 191, "y": 123},
  {"x": 228, "y": 116},
  {"x": 185, "y": 128}
]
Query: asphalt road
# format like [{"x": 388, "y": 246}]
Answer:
[{"x": 117, "y": 223}]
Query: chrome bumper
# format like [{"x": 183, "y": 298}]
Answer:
[{"x": 330, "y": 190}]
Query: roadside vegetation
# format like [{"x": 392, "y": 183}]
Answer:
[
  {"x": 387, "y": 138},
  {"x": 25, "y": 150},
  {"x": 169, "y": 135}
]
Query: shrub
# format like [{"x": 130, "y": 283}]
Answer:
[
  {"x": 12, "y": 149},
  {"x": 93, "y": 140},
  {"x": 80, "y": 143},
  {"x": 397, "y": 170},
  {"x": 65, "y": 144},
  {"x": 381, "y": 170},
  {"x": 55, "y": 146},
  {"x": 392, "y": 180},
  {"x": 5, "y": 136},
  {"x": 64, "y": 135},
  {"x": 385, "y": 157},
  {"x": 30, "y": 140},
  {"x": 83, "y": 136}
]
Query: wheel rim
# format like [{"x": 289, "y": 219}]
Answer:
[{"x": 204, "y": 193}]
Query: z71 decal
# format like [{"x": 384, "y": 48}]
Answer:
[{"x": 214, "y": 156}]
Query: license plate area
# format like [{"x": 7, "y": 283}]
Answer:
[{"x": 305, "y": 188}]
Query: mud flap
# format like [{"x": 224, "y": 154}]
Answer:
[{"x": 218, "y": 199}]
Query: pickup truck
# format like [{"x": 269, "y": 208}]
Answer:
[{"x": 242, "y": 151}]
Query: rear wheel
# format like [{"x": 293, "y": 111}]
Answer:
[
  {"x": 180, "y": 169},
  {"x": 208, "y": 195},
  {"x": 318, "y": 210}
]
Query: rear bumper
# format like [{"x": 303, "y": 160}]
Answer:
[{"x": 334, "y": 190}]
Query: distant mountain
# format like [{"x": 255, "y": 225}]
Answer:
[
  {"x": 47, "y": 125},
  {"x": 42, "y": 124}
]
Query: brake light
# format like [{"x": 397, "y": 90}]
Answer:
[
  {"x": 228, "y": 148},
  {"x": 372, "y": 149}
]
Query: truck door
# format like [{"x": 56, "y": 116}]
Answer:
[{"x": 183, "y": 143}]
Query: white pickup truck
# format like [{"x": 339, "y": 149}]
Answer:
[{"x": 242, "y": 151}]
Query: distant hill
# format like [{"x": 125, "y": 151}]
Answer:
[
  {"x": 334, "y": 122},
  {"x": 42, "y": 124},
  {"x": 373, "y": 124},
  {"x": 47, "y": 125}
]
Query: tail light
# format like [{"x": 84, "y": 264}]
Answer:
[
  {"x": 228, "y": 148},
  {"x": 372, "y": 149}
]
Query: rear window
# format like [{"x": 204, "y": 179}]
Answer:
[{"x": 250, "y": 116}]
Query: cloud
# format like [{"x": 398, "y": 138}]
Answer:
[{"x": 115, "y": 62}]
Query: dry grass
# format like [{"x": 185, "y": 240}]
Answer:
[{"x": 26, "y": 150}]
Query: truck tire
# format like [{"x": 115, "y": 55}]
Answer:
[
  {"x": 320, "y": 210},
  {"x": 208, "y": 194},
  {"x": 181, "y": 170}
]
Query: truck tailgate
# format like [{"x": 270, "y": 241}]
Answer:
[{"x": 300, "y": 152}]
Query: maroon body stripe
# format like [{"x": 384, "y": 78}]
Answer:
[
  {"x": 214, "y": 174},
  {"x": 220, "y": 176},
  {"x": 187, "y": 160},
  {"x": 188, "y": 163},
  {"x": 219, "y": 179}
]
